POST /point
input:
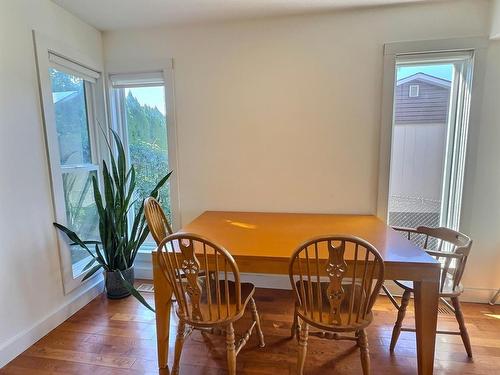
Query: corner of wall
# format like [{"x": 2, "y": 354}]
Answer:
[{"x": 24, "y": 339}]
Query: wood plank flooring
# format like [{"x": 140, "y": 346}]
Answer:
[{"x": 118, "y": 337}]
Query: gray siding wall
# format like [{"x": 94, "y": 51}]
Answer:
[{"x": 430, "y": 107}]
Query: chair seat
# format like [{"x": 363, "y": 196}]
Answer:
[
  {"x": 445, "y": 290},
  {"x": 247, "y": 291},
  {"x": 321, "y": 314}
]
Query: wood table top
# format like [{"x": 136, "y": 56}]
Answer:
[{"x": 277, "y": 235}]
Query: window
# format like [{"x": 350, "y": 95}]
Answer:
[
  {"x": 70, "y": 95},
  {"x": 68, "y": 91},
  {"x": 429, "y": 138},
  {"x": 140, "y": 114},
  {"x": 413, "y": 91}
]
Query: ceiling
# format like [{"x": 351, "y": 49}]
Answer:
[{"x": 122, "y": 14}]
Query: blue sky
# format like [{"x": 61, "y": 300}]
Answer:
[
  {"x": 152, "y": 96},
  {"x": 444, "y": 71}
]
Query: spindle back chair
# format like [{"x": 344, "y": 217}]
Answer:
[
  {"x": 210, "y": 296},
  {"x": 157, "y": 221},
  {"x": 451, "y": 248},
  {"x": 447, "y": 246},
  {"x": 336, "y": 280}
]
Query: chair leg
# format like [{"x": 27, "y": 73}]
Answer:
[
  {"x": 304, "y": 333},
  {"x": 364, "y": 352},
  {"x": 256, "y": 318},
  {"x": 405, "y": 300},
  {"x": 293, "y": 330},
  {"x": 179, "y": 342},
  {"x": 231, "y": 350},
  {"x": 461, "y": 323}
]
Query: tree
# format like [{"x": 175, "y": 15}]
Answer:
[{"x": 147, "y": 134}]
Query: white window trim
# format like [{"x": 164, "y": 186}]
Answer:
[
  {"x": 391, "y": 50},
  {"x": 71, "y": 67},
  {"x": 166, "y": 69},
  {"x": 46, "y": 47}
]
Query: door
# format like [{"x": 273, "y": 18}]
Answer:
[{"x": 429, "y": 133}]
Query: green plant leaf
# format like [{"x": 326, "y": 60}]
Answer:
[
  {"x": 89, "y": 264},
  {"x": 108, "y": 187},
  {"x": 120, "y": 250},
  {"x": 137, "y": 221},
  {"x": 131, "y": 187},
  {"x": 98, "y": 198},
  {"x": 71, "y": 235},
  {"x": 139, "y": 242},
  {"x": 135, "y": 293},
  {"x": 161, "y": 183},
  {"x": 91, "y": 272},
  {"x": 121, "y": 156},
  {"x": 114, "y": 169},
  {"x": 105, "y": 136},
  {"x": 86, "y": 243},
  {"x": 100, "y": 258}
]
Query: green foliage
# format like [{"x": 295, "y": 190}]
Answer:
[
  {"x": 71, "y": 118},
  {"x": 63, "y": 81},
  {"x": 148, "y": 150},
  {"x": 119, "y": 240},
  {"x": 138, "y": 116}
]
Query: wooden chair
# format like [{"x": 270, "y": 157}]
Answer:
[
  {"x": 336, "y": 280},
  {"x": 210, "y": 304},
  {"x": 157, "y": 221},
  {"x": 451, "y": 249}
]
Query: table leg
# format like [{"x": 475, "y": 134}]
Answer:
[
  {"x": 426, "y": 311},
  {"x": 163, "y": 304}
]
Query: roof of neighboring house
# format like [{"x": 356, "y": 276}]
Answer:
[
  {"x": 426, "y": 78},
  {"x": 430, "y": 105},
  {"x": 62, "y": 95}
]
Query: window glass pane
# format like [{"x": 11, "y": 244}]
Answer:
[
  {"x": 147, "y": 140},
  {"x": 419, "y": 142},
  {"x": 81, "y": 211},
  {"x": 68, "y": 95}
]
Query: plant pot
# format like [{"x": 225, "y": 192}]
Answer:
[{"x": 115, "y": 289}]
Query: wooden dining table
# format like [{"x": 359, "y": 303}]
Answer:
[{"x": 262, "y": 243}]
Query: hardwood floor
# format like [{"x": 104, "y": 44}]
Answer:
[{"x": 118, "y": 337}]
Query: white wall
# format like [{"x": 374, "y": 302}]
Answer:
[
  {"x": 283, "y": 114},
  {"x": 481, "y": 208},
  {"x": 495, "y": 20},
  {"x": 284, "y": 105},
  {"x": 31, "y": 291}
]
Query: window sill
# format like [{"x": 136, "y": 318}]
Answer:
[{"x": 146, "y": 248}]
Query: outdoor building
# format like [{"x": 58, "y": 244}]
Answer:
[{"x": 419, "y": 142}]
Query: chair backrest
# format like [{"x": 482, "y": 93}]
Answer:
[
  {"x": 340, "y": 272},
  {"x": 204, "y": 277},
  {"x": 157, "y": 221},
  {"x": 449, "y": 247}
]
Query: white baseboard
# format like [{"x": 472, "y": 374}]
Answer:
[
  {"x": 23, "y": 340},
  {"x": 476, "y": 295}
]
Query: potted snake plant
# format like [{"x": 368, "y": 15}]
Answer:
[{"x": 120, "y": 237}]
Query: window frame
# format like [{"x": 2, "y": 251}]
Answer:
[
  {"x": 118, "y": 121},
  {"x": 391, "y": 52},
  {"x": 46, "y": 47},
  {"x": 417, "y": 91}
]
